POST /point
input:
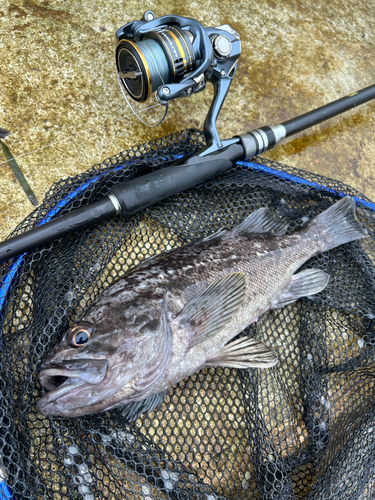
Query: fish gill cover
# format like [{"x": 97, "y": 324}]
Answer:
[{"x": 302, "y": 429}]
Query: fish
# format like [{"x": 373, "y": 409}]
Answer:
[{"x": 183, "y": 311}]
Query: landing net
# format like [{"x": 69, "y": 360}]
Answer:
[{"x": 304, "y": 429}]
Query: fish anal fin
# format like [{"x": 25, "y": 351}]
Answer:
[
  {"x": 244, "y": 352},
  {"x": 302, "y": 284},
  {"x": 133, "y": 410},
  {"x": 211, "y": 309},
  {"x": 262, "y": 221}
]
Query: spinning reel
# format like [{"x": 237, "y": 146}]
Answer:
[{"x": 175, "y": 57}]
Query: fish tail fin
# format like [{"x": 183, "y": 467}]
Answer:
[{"x": 338, "y": 224}]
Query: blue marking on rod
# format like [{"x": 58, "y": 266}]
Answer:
[
  {"x": 300, "y": 180},
  {"x": 5, "y": 492}
]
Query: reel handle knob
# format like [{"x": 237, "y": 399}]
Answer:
[
  {"x": 222, "y": 46},
  {"x": 149, "y": 15}
]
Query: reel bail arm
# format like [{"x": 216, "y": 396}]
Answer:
[{"x": 190, "y": 56}]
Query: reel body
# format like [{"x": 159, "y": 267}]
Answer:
[{"x": 175, "y": 57}]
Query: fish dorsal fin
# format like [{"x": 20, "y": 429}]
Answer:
[
  {"x": 244, "y": 352},
  {"x": 159, "y": 357},
  {"x": 210, "y": 310},
  {"x": 302, "y": 284},
  {"x": 261, "y": 221}
]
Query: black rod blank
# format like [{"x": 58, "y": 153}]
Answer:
[
  {"x": 130, "y": 197},
  {"x": 330, "y": 110},
  {"x": 57, "y": 228},
  {"x": 135, "y": 195}
]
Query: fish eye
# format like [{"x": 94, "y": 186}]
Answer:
[{"x": 78, "y": 335}]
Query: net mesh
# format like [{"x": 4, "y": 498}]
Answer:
[{"x": 303, "y": 429}]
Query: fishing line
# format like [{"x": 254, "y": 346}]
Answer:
[
  {"x": 134, "y": 112},
  {"x": 159, "y": 73},
  {"x": 155, "y": 58},
  {"x": 35, "y": 150}
]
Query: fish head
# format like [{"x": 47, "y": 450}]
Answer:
[{"x": 97, "y": 363}]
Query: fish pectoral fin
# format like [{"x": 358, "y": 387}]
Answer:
[
  {"x": 210, "y": 310},
  {"x": 244, "y": 352},
  {"x": 132, "y": 411},
  {"x": 262, "y": 221},
  {"x": 307, "y": 282}
]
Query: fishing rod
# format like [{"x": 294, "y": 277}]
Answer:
[{"x": 175, "y": 57}]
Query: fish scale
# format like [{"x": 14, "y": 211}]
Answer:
[
  {"x": 179, "y": 312},
  {"x": 281, "y": 255}
]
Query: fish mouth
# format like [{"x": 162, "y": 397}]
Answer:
[
  {"x": 63, "y": 380},
  {"x": 56, "y": 375},
  {"x": 52, "y": 382}
]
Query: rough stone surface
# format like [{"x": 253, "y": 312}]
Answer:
[{"x": 60, "y": 98}]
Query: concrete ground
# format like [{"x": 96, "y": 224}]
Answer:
[{"x": 60, "y": 98}]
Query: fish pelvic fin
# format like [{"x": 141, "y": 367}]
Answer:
[
  {"x": 244, "y": 352},
  {"x": 210, "y": 310},
  {"x": 338, "y": 224},
  {"x": 261, "y": 221},
  {"x": 134, "y": 410},
  {"x": 303, "y": 284}
]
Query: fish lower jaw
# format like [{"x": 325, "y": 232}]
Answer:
[{"x": 54, "y": 410}]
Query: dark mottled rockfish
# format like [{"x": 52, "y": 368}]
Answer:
[{"x": 178, "y": 313}]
